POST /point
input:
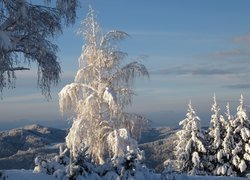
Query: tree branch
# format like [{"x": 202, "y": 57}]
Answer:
[{"x": 17, "y": 69}]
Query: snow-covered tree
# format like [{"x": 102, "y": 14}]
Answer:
[
  {"x": 216, "y": 134},
  {"x": 55, "y": 166},
  {"x": 228, "y": 141},
  {"x": 26, "y": 29},
  {"x": 99, "y": 94},
  {"x": 241, "y": 131},
  {"x": 62, "y": 166},
  {"x": 130, "y": 166},
  {"x": 225, "y": 167},
  {"x": 216, "y": 129},
  {"x": 168, "y": 172},
  {"x": 190, "y": 148}
]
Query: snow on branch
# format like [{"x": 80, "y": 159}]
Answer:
[
  {"x": 109, "y": 96},
  {"x": 119, "y": 140},
  {"x": 68, "y": 97},
  {"x": 26, "y": 29},
  {"x": 113, "y": 35},
  {"x": 129, "y": 72}
]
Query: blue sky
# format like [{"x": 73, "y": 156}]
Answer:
[{"x": 195, "y": 49}]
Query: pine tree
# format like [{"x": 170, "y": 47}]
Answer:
[
  {"x": 190, "y": 149},
  {"x": 241, "y": 131},
  {"x": 228, "y": 140},
  {"x": 216, "y": 134},
  {"x": 100, "y": 92},
  {"x": 226, "y": 167},
  {"x": 26, "y": 31},
  {"x": 216, "y": 130}
]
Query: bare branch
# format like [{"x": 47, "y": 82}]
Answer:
[{"x": 18, "y": 69}]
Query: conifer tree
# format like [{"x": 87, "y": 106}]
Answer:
[
  {"x": 241, "y": 147},
  {"x": 216, "y": 134},
  {"x": 226, "y": 166},
  {"x": 190, "y": 149},
  {"x": 216, "y": 130},
  {"x": 99, "y": 94},
  {"x": 228, "y": 141}
]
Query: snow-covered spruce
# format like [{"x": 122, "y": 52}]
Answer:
[
  {"x": 190, "y": 149},
  {"x": 225, "y": 156},
  {"x": 26, "y": 30},
  {"x": 97, "y": 97},
  {"x": 241, "y": 138},
  {"x": 216, "y": 133},
  {"x": 216, "y": 129}
]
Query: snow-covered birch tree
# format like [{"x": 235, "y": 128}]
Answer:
[
  {"x": 190, "y": 147},
  {"x": 101, "y": 90},
  {"x": 26, "y": 31}
]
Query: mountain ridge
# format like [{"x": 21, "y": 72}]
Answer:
[{"x": 20, "y": 146}]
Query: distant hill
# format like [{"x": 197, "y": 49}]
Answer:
[
  {"x": 158, "y": 146},
  {"x": 19, "y": 147}
]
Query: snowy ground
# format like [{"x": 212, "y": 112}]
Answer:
[
  {"x": 26, "y": 175},
  {"x": 29, "y": 175}
]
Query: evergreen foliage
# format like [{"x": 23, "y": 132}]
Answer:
[
  {"x": 190, "y": 147},
  {"x": 215, "y": 135},
  {"x": 241, "y": 136},
  {"x": 226, "y": 141},
  {"x": 129, "y": 166}
]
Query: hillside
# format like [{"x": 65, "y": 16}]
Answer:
[
  {"x": 19, "y": 147},
  {"x": 158, "y": 146}
]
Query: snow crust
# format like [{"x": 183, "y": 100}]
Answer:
[{"x": 26, "y": 175}]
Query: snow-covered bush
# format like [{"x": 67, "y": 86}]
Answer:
[
  {"x": 56, "y": 166},
  {"x": 168, "y": 173},
  {"x": 131, "y": 166},
  {"x": 64, "y": 166},
  {"x": 128, "y": 166}
]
